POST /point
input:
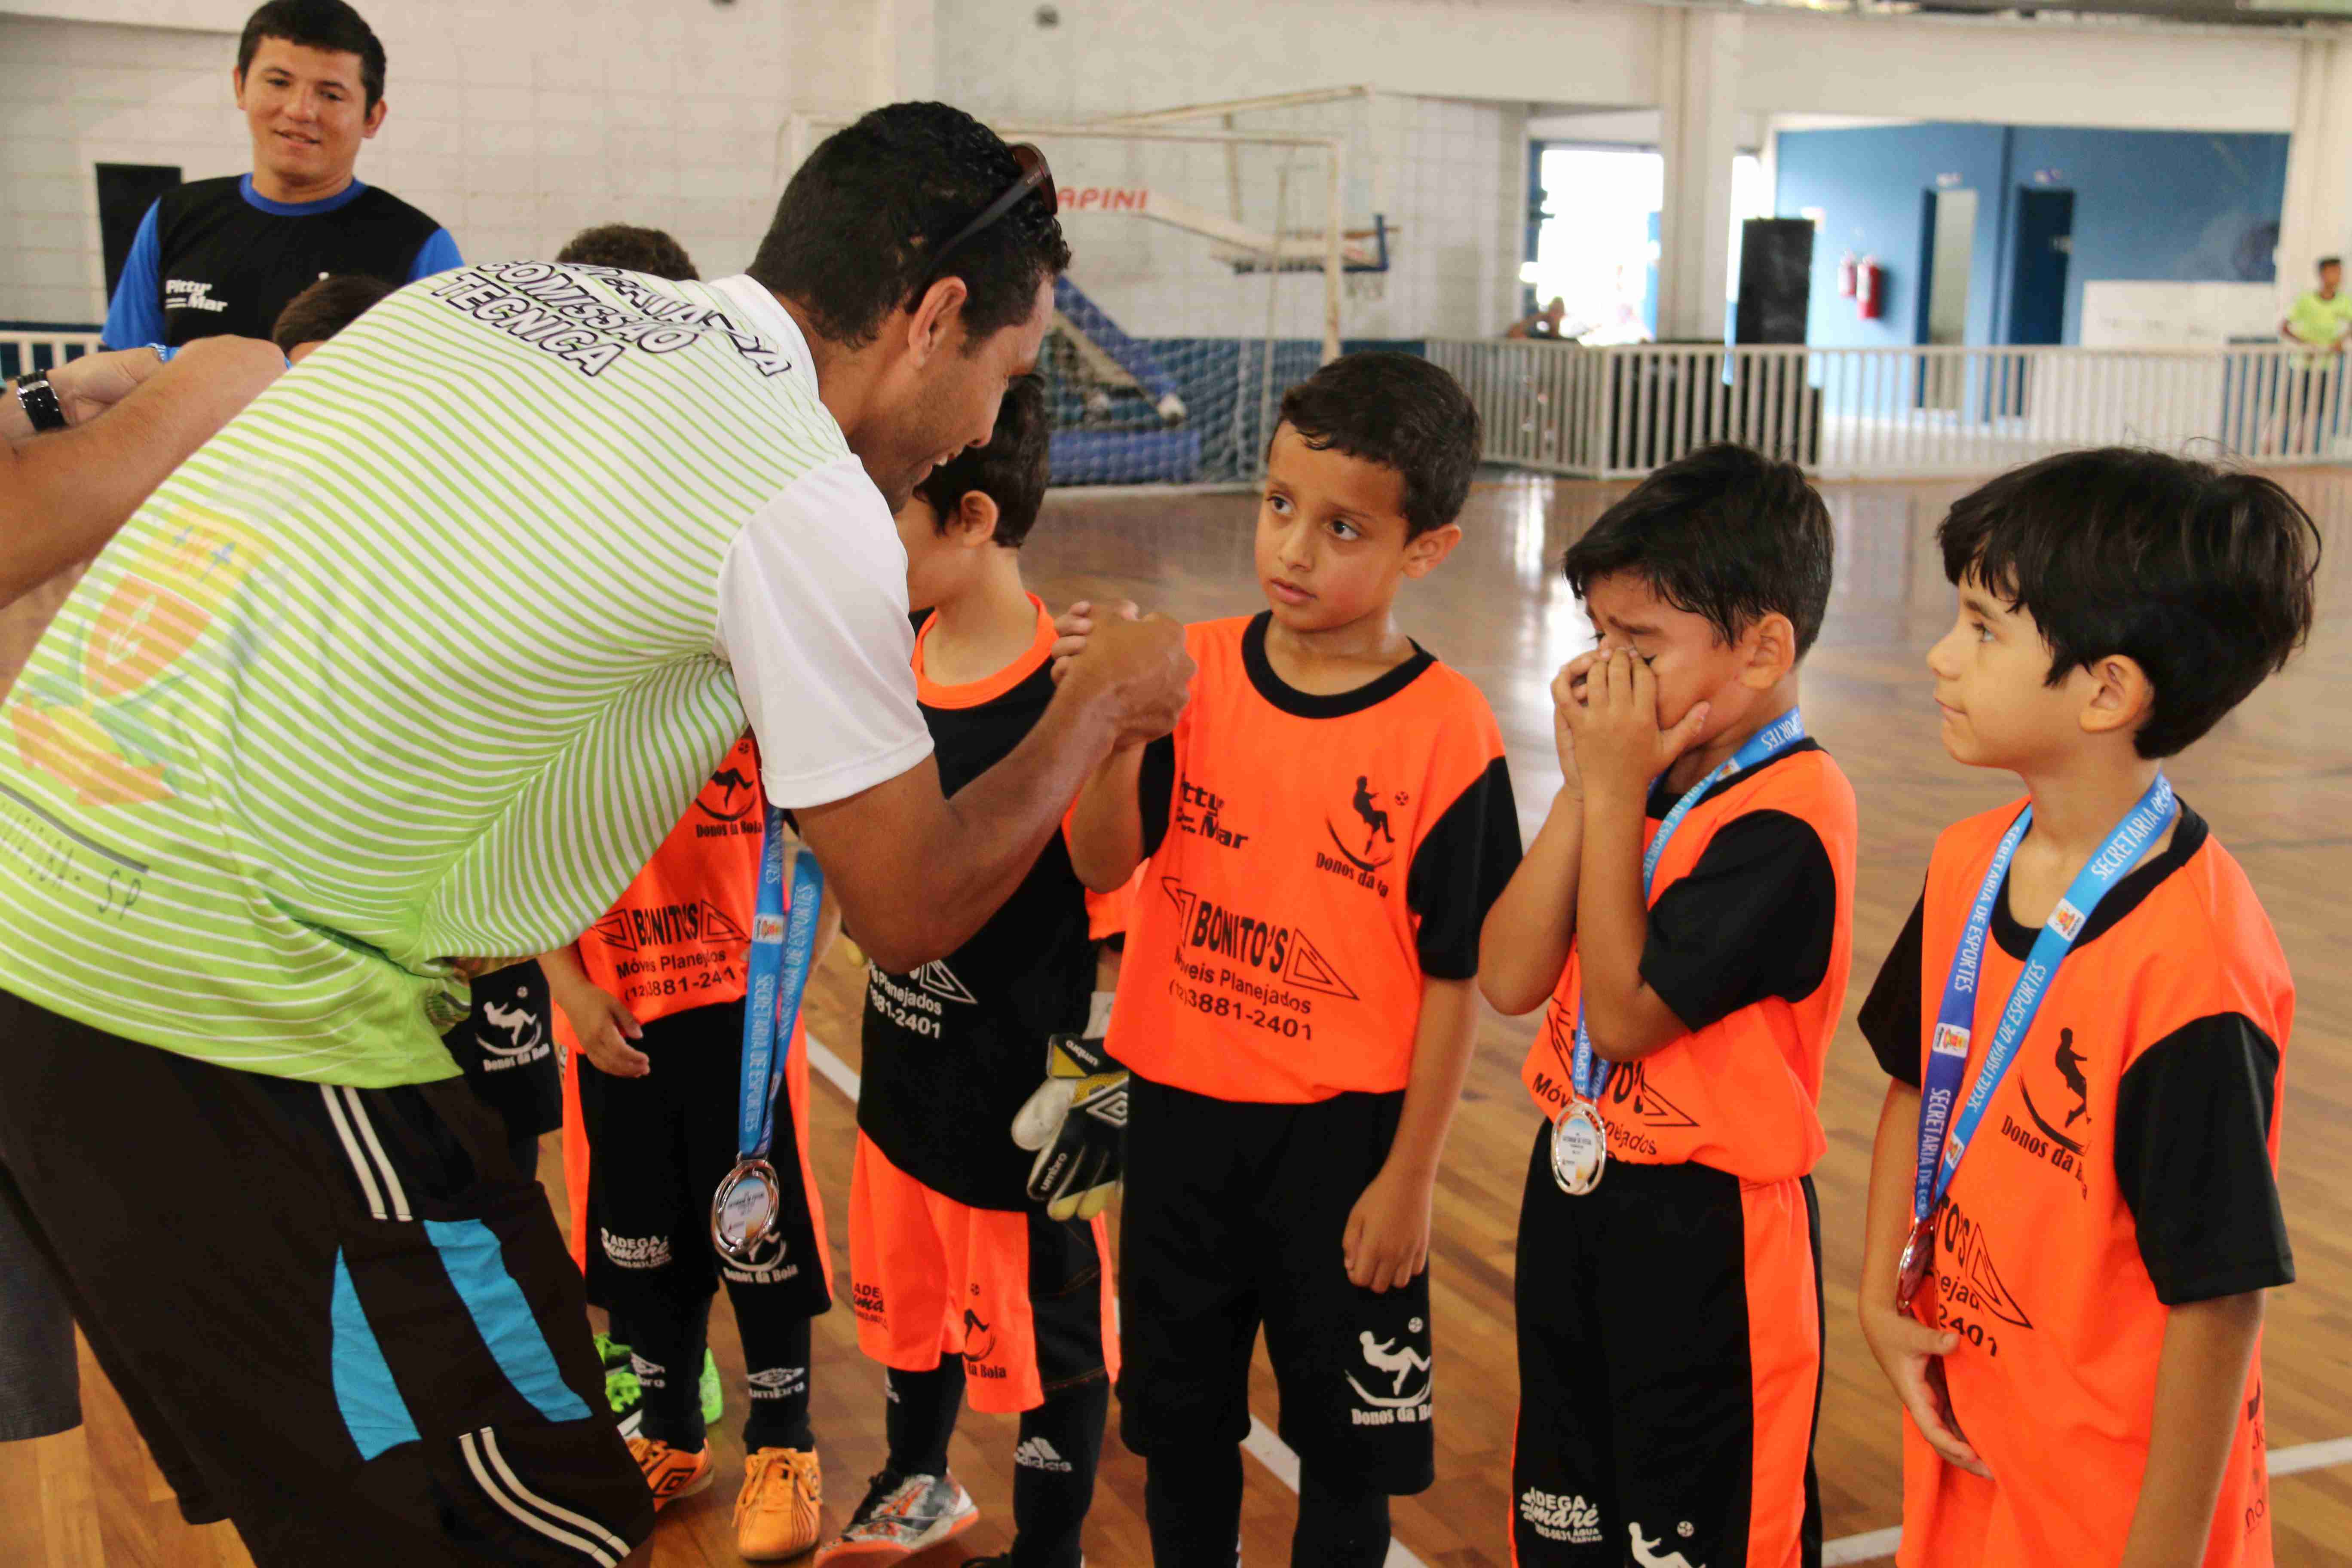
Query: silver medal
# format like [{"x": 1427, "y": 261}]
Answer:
[{"x": 1580, "y": 1149}]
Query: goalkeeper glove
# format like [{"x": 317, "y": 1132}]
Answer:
[{"x": 1076, "y": 1125}]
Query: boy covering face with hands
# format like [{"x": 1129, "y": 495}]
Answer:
[{"x": 1685, "y": 911}]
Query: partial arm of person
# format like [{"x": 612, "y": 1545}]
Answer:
[
  {"x": 1105, "y": 831},
  {"x": 135, "y": 314},
  {"x": 2200, "y": 1385},
  {"x": 601, "y": 1021},
  {"x": 1386, "y": 1244},
  {"x": 1909, "y": 1353},
  {"x": 1525, "y": 944},
  {"x": 86, "y": 388},
  {"x": 63, "y": 496},
  {"x": 1619, "y": 749},
  {"x": 917, "y": 874}
]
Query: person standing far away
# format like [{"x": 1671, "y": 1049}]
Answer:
[
  {"x": 227, "y": 255},
  {"x": 2320, "y": 320}
]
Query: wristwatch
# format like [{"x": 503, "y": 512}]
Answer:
[{"x": 39, "y": 399}]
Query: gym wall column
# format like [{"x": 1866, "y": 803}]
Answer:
[
  {"x": 1699, "y": 79},
  {"x": 2318, "y": 217}
]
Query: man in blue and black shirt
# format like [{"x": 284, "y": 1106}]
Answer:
[{"x": 224, "y": 255}]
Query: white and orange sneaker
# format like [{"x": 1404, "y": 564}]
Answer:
[
  {"x": 672, "y": 1473},
  {"x": 776, "y": 1511},
  {"x": 902, "y": 1515}
]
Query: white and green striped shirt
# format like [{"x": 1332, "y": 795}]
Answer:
[{"x": 425, "y": 651}]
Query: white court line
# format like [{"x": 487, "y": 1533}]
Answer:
[
  {"x": 1869, "y": 1547},
  {"x": 1261, "y": 1444}
]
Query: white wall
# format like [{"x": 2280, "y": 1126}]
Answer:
[{"x": 515, "y": 125}]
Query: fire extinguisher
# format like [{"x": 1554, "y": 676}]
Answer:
[
  {"x": 1869, "y": 288},
  {"x": 1845, "y": 276}
]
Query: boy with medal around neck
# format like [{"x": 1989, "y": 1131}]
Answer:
[
  {"x": 2074, "y": 1205},
  {"x": 1325, "y": 831},
  {"x": 1686, "y": 911}
]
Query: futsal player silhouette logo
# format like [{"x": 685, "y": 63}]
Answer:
[
  {"x": 2070, "y": 1067},
  {"x": 1398, "y": 1365},
  {"x": 720, "y": 796},
  {"x": 1375, "y": 819}
]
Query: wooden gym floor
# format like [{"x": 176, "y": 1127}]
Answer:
[{"x": 2270, "y": 780}]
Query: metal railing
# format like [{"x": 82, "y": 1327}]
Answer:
[
  {"x": 22, "y": 351},
  {"x": 1896, "y": 413}
]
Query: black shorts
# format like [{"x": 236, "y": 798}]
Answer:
[
  {"x": 1670, "y": 1369},
  {"x": 1235, "y": 1216},
  {"x": 507, "y": 1050},
  {"x": 340, "y": 1316},
  {"x": 658, "y": 1147}
]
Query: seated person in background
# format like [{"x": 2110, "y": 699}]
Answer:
[
  {"x": 1544, "y": 323},
  {"x": 321, "y": 310}
]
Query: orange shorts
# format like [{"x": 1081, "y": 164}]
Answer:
[{"x": 1026, "y": 1300}]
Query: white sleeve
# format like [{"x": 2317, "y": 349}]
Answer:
[{"x": 812, "y": 617}]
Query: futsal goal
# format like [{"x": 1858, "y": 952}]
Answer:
[{"x": 1209, "y": 273}]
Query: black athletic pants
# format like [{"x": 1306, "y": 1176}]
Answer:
[{"x": 340, "y": 1316}]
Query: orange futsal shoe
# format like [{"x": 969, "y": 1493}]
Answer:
[
  {"x": 776, "y": 1511},
  {"x": 672, "y": 1473}
]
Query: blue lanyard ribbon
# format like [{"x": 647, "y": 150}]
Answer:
[
  {"x": 1590, "y": 1073},
  {"x": 1942, "y": 1139},
  {"x": 777, "y": 973}
]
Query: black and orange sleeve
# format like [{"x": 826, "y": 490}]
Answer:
[
  {"x": 1890, "y": 1014},
  {"x": 1756, "y": 917},
  {"x": 1461, "y": 866},
  {"x": 2192, "y": 1161}
]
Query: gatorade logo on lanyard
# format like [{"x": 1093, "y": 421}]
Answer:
[
  {"x": 747, "y": 1211},
  {"x": 1579, "y": 1146},
  {"x": 1944, "y": 1139}
]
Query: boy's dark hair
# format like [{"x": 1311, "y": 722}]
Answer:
[
  {"x": 2201, "y": 577},
  {"x": 1726, "y": 533},
  {"x": 1010, "y": 470},
  {"x": 853, "y": 235},
  {"x": 2326, "y": 262},
  {"x": 1402, "y": 412},
  {"x": 326, "y": 308},
  {"x": 317, "y": 25},
  {"x": 632, "y": 249}
]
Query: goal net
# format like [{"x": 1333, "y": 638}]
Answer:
[{"x": 1201, "y": 285}]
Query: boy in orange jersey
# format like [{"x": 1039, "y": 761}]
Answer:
[
  {"x": 1325, "y": 830},
  {"x": 2074, "y": 1205},
  {"x": 962, "y": 1278},
  {"x": 1686, "y": 909},
  {"x": 654, "y": 995}
]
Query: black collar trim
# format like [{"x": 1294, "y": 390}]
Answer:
[
  {"x": 2016, "y": 939},
  {"x": 1662, "y": 800},
  {"x": 1316, "y": 704}
]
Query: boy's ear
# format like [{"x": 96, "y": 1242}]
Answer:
[
  {"x": 975, "y": 523},
  {"x": 2121, "y": 697},
  {"x": 1771, "y": 651},
  {"x": 1422, "y": 554}
]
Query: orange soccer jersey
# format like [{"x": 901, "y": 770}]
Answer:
[
  {"x": 2126, "y": 1165},
  {"x": 1741, "y": 1092},
  {"x": 1312, "y": 859}
]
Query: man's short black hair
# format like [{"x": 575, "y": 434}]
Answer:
[
  {"x": 317, "y": 25},
  {"x": 1724, "y": 533},
  {"x": 1402, "y": 412},
  {"x": 2327, "y": 261},
  {"x": 2201, "y": 577},
  {"x": 853, "y": 237},
  {"x": 1010, "y": 470},
  {"x": 632, "y": 249},
  {"x": 326, "y": 308}
]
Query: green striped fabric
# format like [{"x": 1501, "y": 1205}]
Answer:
[{"x": 413, "y": 659}]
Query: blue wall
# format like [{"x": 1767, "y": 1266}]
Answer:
[{"x": 2149, "y": 204}]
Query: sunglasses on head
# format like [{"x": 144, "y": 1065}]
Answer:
[{"x": 1034, "y": 176}]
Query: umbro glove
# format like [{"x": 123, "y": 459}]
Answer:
[{"x": 1076, "y": 1125}]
